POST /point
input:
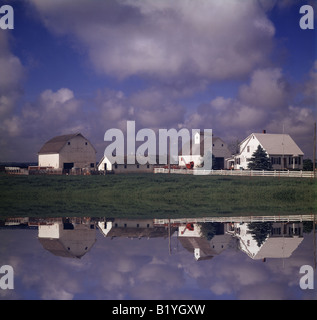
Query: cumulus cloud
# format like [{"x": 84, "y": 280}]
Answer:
[
  {"x": 174, "y": 41},
  {"x": 265, "y": 102},
  {"x": 267, "y": 90}
]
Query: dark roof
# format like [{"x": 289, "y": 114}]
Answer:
[
  {"x": 155, "y": 232},
  {"x": 56, "y": 144}
]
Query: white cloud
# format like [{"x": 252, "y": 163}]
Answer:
[
  {"x": 267, "y": 90},
  {"x": 166, "y": 40}
]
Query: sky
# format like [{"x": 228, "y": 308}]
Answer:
[
  {"x": 125, "y": 269},
  {"x": 234, "y": 66}
]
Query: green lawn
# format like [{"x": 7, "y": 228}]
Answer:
[{"x": 154, "y": 196}]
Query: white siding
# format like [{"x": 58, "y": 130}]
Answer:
[
  {"x": 50, "y": 231},
  {"x": 49, "y": 160},
  {"x": 247, "y": 148},
  {"x": 101, "y": 165}
]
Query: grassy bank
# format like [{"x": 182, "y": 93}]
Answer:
[{"x": 152, "y": 196}]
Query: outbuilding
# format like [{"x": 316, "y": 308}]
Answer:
[{"x": 67, "y": 152}]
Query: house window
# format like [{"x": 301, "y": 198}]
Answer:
[
  {"x": 138, "y": 166},
  {"x": 68, "y": 143},
  {"x": 92, "y": 165},
  {"x": 148, "y": 166},
  {"x": 237, "y": 160},
  {"x": 125, "y": 166},
  {"x": 276, "y": 160},
  {"x": 116, "y": 166},
  {"x": 248, "y": 148},
  {"x": 138, "y": 226},
  {"x": 86, "y": 143}
]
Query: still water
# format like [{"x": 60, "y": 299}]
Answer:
[{"x": 106, "y": 258}]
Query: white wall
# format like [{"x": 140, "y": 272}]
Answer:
[
  {"x": 246, "y": 151},
  {"x": 101, "y": 165},
  {"x": 50, "y": 231},
  {"x": 49, "y": 160}
]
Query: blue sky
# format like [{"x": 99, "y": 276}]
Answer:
[{"x": 236, "y": 66}]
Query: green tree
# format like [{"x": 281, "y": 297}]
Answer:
[
  {"x": 307, "y": 165},
  {"x": 209, "y": 229},
  {"x": 260, "y": 160},
  {"x": 260, "y": 231}
]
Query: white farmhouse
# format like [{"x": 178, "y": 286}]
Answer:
[
  {"x": 67, "y": 152},
  {"x": 283, "y": 152}
]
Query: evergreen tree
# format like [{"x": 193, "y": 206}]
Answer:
[
  {"x": 260, "y": 160},
  {"x": 260, "y": 231}
]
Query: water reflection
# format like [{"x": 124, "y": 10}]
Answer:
[{"x": 208, "y": 258}]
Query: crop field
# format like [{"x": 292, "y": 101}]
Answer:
[{"x": 154, "y": 196}]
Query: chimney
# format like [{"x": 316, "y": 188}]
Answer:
[{"x": 264, "y": 131}]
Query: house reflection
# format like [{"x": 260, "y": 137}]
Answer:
[
  {"x": 277, "y": 240},
  {"x": 206, "y": 238}
]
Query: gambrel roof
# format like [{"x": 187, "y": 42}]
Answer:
[{"x": 56, "y": 144}]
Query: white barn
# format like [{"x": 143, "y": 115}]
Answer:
[
  {"x": 67, "y": 152},
  {"x": 283, "y": 152}
]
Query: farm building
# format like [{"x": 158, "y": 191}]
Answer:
[
  {"x": 67, "y": 152},
  {"x": 67, "y": 239},
  {"x": 282, "y": 150},
  {"x": 193, "y": 241},
  {"x": 219, "y": 150},
  {"x": 105, "y": 165},
  {"x": 132, "y": 228}
]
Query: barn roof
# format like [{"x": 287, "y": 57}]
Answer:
[{"x": 56, "y": 144}]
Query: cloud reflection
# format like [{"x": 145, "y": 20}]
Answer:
[{"x": 125, "y": 268}]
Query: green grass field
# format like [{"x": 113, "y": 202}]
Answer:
[{"x": 154, "y": 196}]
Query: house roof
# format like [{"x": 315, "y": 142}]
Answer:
[
  {"x": 277, "y": 144},
  {"x": 56, "y": 144},
  {"x": 278, "y": 247}
]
